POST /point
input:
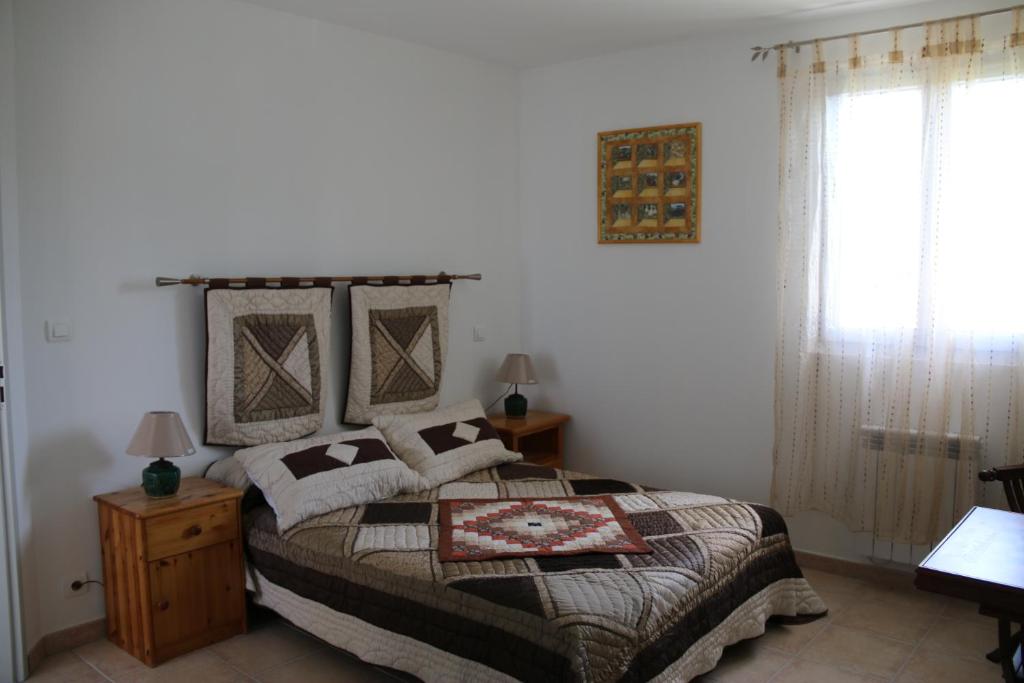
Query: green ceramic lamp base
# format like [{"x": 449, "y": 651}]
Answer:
[
  {"x": 161, "y": 479},
  {"x": 515, "y": 406}
]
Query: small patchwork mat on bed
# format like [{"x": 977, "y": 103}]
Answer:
[{"x": 484, "y": 529}]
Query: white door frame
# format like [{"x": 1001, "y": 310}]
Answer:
[{"x": 13, "y": 423}]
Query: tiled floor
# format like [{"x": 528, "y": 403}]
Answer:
[{"x": 873, "y": 634}]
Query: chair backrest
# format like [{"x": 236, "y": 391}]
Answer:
[{"x": 1012, "y": 477}]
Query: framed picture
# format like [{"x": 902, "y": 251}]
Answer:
[{"x": 648, "y": 185}]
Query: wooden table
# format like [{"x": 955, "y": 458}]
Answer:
[
  {"x": 982, "y": 560},
  {"x": 539, "y": 436}
]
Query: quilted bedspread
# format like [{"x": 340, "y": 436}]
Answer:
[{"x": 369, "y": 579}]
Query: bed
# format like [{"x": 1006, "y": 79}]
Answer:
[{"x": 367, "y": 579}]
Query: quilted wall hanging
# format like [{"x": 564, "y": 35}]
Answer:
[
  {"x": 399, "y": 342},
  {"x": 266, "y": 363}
]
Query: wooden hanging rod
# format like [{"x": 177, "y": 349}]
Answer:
[
  {"x": 197, "y": 280},
  {"x": 758, "y": 51}
]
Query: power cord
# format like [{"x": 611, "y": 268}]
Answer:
[
  {"x": 503, "y": 394},
  {"x": 79, "y": 585}
]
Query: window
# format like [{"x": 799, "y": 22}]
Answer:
[{"x": 919, "y": 236}]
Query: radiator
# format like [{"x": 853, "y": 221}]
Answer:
[
  {"x": 898, "y": 442},
  {"x": 934, "y": 444}
]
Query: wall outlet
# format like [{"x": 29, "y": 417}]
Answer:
[
  {"x": 70, "y": 582},
  {"x": 479, "y": 333}
]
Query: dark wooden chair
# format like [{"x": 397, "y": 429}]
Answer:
[{"x": 1012, "y": 477}]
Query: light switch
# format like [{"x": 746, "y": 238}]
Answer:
[
  {"x": 58, "y": 330},
  {"x": 479, "y": 333}
]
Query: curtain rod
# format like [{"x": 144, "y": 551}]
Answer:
[
  {"x": 196, "y": 280},
  {"x": 763, "y": 51}
]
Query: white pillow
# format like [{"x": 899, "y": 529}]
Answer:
[
  {"x": 229, "y": 471},
  {"x": 308, "y": 477},
  {"x": 443, "y": 445}
]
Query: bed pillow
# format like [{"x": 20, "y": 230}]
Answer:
[
  {"x": 229, "y": 471},
  {"x": 308, "y": 477},
  {"x": 443, "y": 445}
]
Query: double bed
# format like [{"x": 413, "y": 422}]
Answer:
[{"x": 368, "y": 579}]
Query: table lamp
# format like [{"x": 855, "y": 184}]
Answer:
[
  {"x": 161, "y": 434},
  {"x": 517, "y": 369}
]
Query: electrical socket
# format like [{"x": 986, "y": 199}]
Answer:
[{"x": 70, "y": 592}]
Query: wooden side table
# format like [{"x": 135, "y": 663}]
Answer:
[
  {"x": 172, "y": 568},
  {"x": 539, "y": 436}
]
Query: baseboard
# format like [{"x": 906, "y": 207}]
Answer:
[
  {"x": 36, "y": 655},
  {"x": 890, "y": 576},
  {"x": 64, "y": 640}
]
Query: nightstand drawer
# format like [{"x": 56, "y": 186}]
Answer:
[{"x": 190, "y": 529}]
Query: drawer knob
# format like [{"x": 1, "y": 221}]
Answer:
[
  {"x": 193, "y": 530},
  {"x": 163, "y": 605}
]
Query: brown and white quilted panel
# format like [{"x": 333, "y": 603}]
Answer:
[
  {"x": 266, "y": 364},
  {"x": 399, "y": 343}
]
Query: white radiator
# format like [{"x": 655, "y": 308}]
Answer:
[
  {"x": 934, "y": 444},
  {"x": 885, "y": 442}
]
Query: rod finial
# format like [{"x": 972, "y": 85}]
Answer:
[{"x": 167, "y": 281}]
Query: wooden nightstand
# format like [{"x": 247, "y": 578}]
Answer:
[
  {"x": 172, "y": 568},
  {"x": 538, "y": 436}
]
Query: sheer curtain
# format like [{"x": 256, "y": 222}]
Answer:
[{"x": 900, "y": 351}]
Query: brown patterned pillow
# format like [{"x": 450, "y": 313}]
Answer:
[
  {"x": 309, "y": 477},
  {"x": 445, "y": 444}
]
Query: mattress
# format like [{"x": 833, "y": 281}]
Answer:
[{"x": 368, "y": 579}]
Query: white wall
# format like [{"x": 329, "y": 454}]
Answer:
[
  {"x": 165, "y": 137},
  {"x": 664, "y": 354},
  {"x": 176, "y": 136}
]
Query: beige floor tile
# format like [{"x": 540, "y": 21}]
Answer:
[
  {"x": 812, "y": 672},
  {"x": 964, "y": 610},
  {"x": 792, "y": 638},
  {"x": 108, "y": 658},
  {"x": 324, "y": 666},
  {"x": 202, "y": 665},
  {"x": 858, "y": 650},
  {"x": 837, "y": 601},
  {"x": 962, "y": 638},
  {"x": 266, "y": 647},
  {"x": 897, "y": 621},
  {"x": 65, "y": 668},
  {"x": 935, "y": 667},
  {"x": 749, "y": 661},
  {"x": 912, "y": 598},
  {"x": 832, "y": 582}
]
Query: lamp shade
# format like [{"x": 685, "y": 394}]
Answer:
[
  {"x": 161, "y": 434},
  {"x": 517, "y": 369}
]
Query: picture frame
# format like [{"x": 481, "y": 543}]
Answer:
[{"x": 648, "y": 185}]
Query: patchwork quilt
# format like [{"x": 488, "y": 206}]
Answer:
[{"x": 369, "y": 579}]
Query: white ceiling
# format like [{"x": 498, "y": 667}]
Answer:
[{"x": 527, "y": 33}]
